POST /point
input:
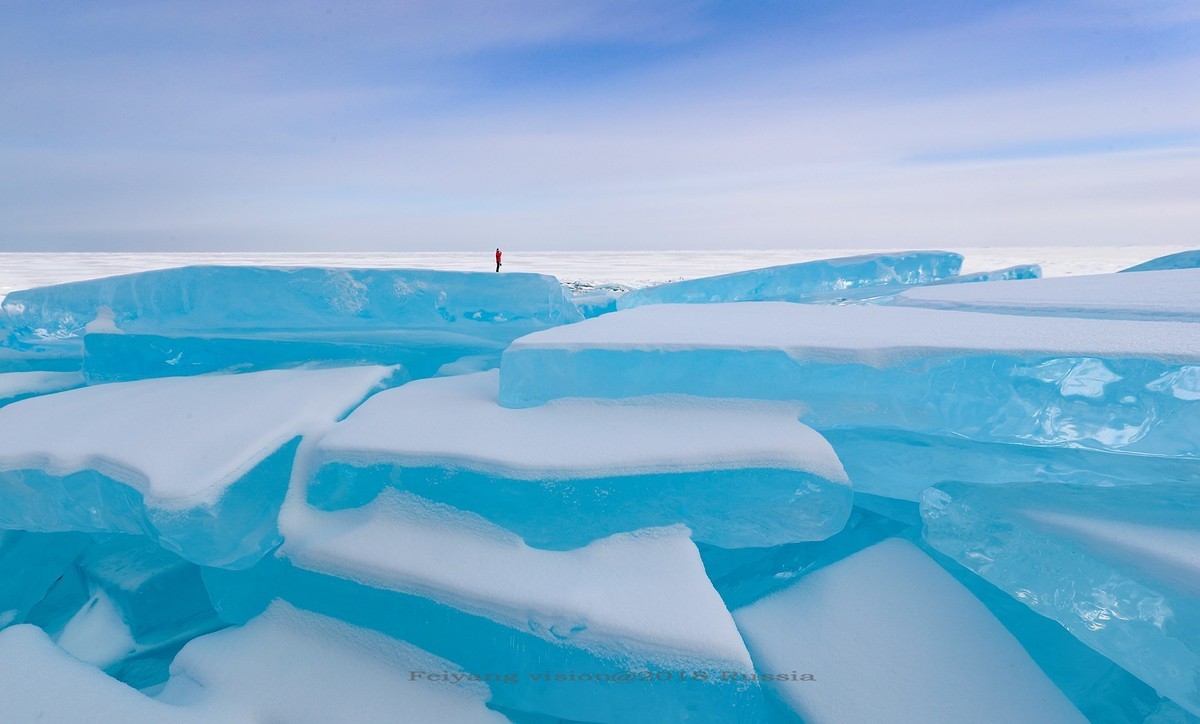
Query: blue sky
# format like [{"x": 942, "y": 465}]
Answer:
[{"x": 615, "y": 124}]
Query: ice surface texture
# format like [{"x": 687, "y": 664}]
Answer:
[
  {"x": 889, "y": 636},
  {"x": 1118, "y": 567},
  {"x": 197, "y": 463},
  {"x": 567, "y": 473},
  {"x": 804, "y": 281}
]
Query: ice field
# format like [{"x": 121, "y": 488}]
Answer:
[{"x": 895, "y": 486}]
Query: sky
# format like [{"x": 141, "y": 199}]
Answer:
[{"x": 225, "y": 125}]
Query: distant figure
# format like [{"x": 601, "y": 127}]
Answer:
[{"x": 497, "y": 258}]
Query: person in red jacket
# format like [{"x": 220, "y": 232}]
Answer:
[{"x": 497, "y": 258}]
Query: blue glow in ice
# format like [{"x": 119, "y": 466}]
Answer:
[
  {"x": 806, "y": 281},
  {"x": 201, "y": 319},
  {"x": 1116, "y": 566}
]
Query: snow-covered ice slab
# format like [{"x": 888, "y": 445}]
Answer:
[
  {"x": 197, "y": 463},
  {"x": 1181, "y": 260},
  {"x": 1117, "y": 567},
  {"x": 803, "y": 282},
  {"x": 887, "y": 635},
  {"x": 1161, "y": 295},
  {"x": 467, "y": 590},
  {"x": 564, "y": 474},
  {"x": 1101, "y": 384},
  {"x": 286, "y": 665}
]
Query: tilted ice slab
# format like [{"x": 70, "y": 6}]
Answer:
[
  {"x": 286, "y": 665},
  {"x": 197, "y": 463},
  {"x": 564, "y": 474},
  {"x": 1018, "y": 271},
  {"x": 887, "y": 635},
  {"x": 469, "y": 591},
  {"x": 1182, "y": 260},
  {"x": 1117, "y": 567},
  {"x": 1101, "y": 384},
  {"x": 207, "y": 298},
  {"x": 1161, "y": 295},
  {"x": 804, "y": 281}
]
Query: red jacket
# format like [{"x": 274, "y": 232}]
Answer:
[{"x": 497, "y": 256}]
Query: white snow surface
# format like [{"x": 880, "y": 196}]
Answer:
[
  {"x": 644, "y": 594},
  {"x": 890, "y": 636},
  {"x": 1173, "y": 292},
  {"x": 180, "y": 441},
  {"x": 456, "y": 421},
  {"x": 873, "y": 335},
  {"x": 13, "y": 384},
  {"x": 286, "y": 665}
]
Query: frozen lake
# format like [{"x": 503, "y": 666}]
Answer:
[{"x": 577, "y": 268}]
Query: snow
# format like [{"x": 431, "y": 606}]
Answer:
[
  {"x": 643, "y": 592},
  {"x": 1163, "y": 295},
  {"x": 20, "y": 384},
  {"x": 457, "y": 422},
  {"x": 286, "y": 665},
  {"x": 181, "y": 442},
  {"x": 889, "y": 636}
]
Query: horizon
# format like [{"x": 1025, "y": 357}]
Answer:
[{"x": 136, "y": 127}]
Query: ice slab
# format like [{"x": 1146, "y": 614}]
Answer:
[
  {"x": 1018, "y": 271},
  {"x": 1182, "y": 260},
  {"x": 208, "y": 298},
  {"x": 471, "y": 592},
  {"x": 286, "y": 665},
  {"x": 889, "y": 636},
  {"x": 804, "y": 281},
  {"x": 30, "y": 564},
  {"x": 197, "y": 463},
  {"x": 1050, "y": 381},
  {"x": 564, "y": 474},
  {"x": 1160, "y": 295},
  {"x": 194, "y": 320},
  {"x": 1117, "y": 567}
]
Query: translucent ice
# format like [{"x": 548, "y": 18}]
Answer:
[
  {"x": 1019, "y": 271},
  {"x": 1182, "y": 260},
  {"x": 1051, "y": 381},
  {"x": 197, "y": 463},
  {"x": 309, "y": 299},
  {"x": 564, "y": 474},
  {"x": 889, "y": 636},
  {"x": 804, "y": 281},
  {"x": 471, "y": 592},
  {"x": 1118, "y": 567},
  {"x": 200, "y": 319},
  {"x": 1161, "y": 295}
]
